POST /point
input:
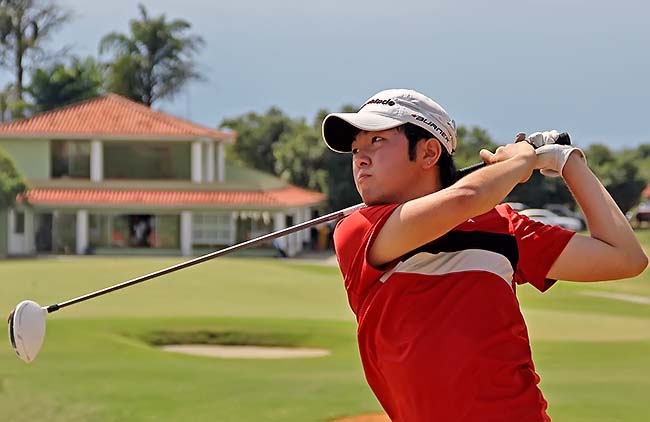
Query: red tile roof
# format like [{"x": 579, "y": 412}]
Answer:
[
  {"x": 108, "y": 116},
  {"x": 283, "y": 197}
]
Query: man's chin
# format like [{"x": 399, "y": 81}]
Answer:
[{"x": 369, "y": 200}]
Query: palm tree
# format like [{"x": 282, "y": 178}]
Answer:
[
  {"x": 24, "y": 25},
  {"x": 154, "y": 61},
  {"x": 60, "y": 84},
  {"x": 10, "y": 106}
]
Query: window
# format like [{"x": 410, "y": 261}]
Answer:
[
  {"x": 70, "y": 159},
  {"x": 252, "y": 224},
  {"x": 134, "y": 231},
  {"x": 139, "y": 160},
  {"x": 64, "y": 232},
  {"x": 19, "y": 223},
  {"x": 213, "y": 229}
]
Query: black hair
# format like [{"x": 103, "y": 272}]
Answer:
[{"x": 414, "y": 134}]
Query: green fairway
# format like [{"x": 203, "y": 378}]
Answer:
[{"x": 592, "y": 349}]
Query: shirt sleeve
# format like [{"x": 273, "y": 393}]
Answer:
[
  {"x": 539, "y": 247},
  {"x": 353, "y": 237}
]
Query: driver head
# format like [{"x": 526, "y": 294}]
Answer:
[{"x": 27, "y": 329}]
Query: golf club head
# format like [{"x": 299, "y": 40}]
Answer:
[{"x": 27, "y": 329}]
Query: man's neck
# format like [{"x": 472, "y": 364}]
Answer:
[{"x": 430, "y": 183}]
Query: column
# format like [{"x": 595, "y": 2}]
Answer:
[
  {"x": 186, "y": 233},
  {"x": 197, "y": 162},
  {"x": 279, "y": 224},
  {"x": 96, "y": 161},
  {"x": 297, "y": 218},
  {"x": 221, "y": 162},
  {"x": 82, "y": 232},
  {"x": 209, "y": 161},
  {"x": 306, "y": 213},
  {"x": 30, "y": 246}
]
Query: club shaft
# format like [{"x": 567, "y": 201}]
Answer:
[
  {"x": 563, "y": 139},
  {"x": 243, "y": 245}
]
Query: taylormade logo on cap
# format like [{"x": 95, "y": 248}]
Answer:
[
  {"x": 386, "y": 110},
  {"x": 378, "y": 101}
]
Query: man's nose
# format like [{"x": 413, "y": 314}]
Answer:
[{"x": 361, "y": 159}]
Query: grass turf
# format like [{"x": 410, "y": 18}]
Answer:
[{"x": 592, "y": 352}]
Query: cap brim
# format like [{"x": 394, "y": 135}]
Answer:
[{"x": 339, "y": 129}]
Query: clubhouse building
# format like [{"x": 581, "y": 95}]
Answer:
[{"x": 111, "y": 176}]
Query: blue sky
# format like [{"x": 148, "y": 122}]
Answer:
[{"x": 505, "y": 65}]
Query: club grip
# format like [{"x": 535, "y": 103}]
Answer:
[{"x": 562, "y": 139}]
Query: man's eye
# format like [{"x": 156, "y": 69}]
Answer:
[
  {"x": 355, "y": 151},
  {"x": 376, "y": 139}
]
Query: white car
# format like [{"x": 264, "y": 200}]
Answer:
[{"x": 548, "y": 217}]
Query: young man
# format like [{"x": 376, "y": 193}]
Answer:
[{"x": 431, "y": 264}]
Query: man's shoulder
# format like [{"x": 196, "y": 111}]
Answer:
[
  {"x": 498, "y": 219},
  {"x": 366, "y": 217},
  {"x": 355, "y": 228}
]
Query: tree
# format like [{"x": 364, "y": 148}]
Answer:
[
  {"x": 256, "y": 136},
  {"x": 470, "y": 142},
  {"x": 341, "y": 190},
  {"x": 302, "y": 158},
  {"x": 621, "y": 177},
  {"x": 154, "y": 61},
  {"x": 299, "y": 157},
  {"x": 640, "y": 156},
  {"x": 10, "y": 106},
  {"x": 24, "y": 25},
  {"x": 11, "y": 182},
  {"x": 5, "y": 99},
  {"x": 59, "y": 85}
]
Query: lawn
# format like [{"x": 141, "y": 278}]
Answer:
[{"x": 592, "y": 351}]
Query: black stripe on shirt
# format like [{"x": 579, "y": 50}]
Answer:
[{"x": 454, "y": 241}]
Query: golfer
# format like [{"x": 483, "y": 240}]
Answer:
[{"x": 431, "y": 265}]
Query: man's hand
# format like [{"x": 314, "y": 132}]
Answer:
[
  {"x": 518, "y": 150},
  {"x": 551, "y": 159}
]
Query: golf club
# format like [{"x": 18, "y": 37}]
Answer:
[{"x": 26, "y": 323}]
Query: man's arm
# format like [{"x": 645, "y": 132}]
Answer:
[
  {"x": 611, "y": 251},
  {"x": 421, "y": 220}
]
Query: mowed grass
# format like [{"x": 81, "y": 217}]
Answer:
[{"x": 593, "y": 352}]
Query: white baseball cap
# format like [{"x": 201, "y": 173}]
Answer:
[{"x": 386, "y": 110}]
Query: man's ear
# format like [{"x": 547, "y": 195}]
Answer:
[{"x": 431, "y": 150}]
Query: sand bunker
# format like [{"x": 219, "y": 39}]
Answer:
[{"x": 245, "y": 352}]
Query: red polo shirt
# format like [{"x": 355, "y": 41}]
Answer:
[{"x": 441, "y": 335}]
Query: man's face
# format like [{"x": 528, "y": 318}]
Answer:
[{"x": 381, "y": 167}]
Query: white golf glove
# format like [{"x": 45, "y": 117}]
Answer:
[
  {"x": 539, "y": 139},
  {"x": 551, "y": 157}
]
